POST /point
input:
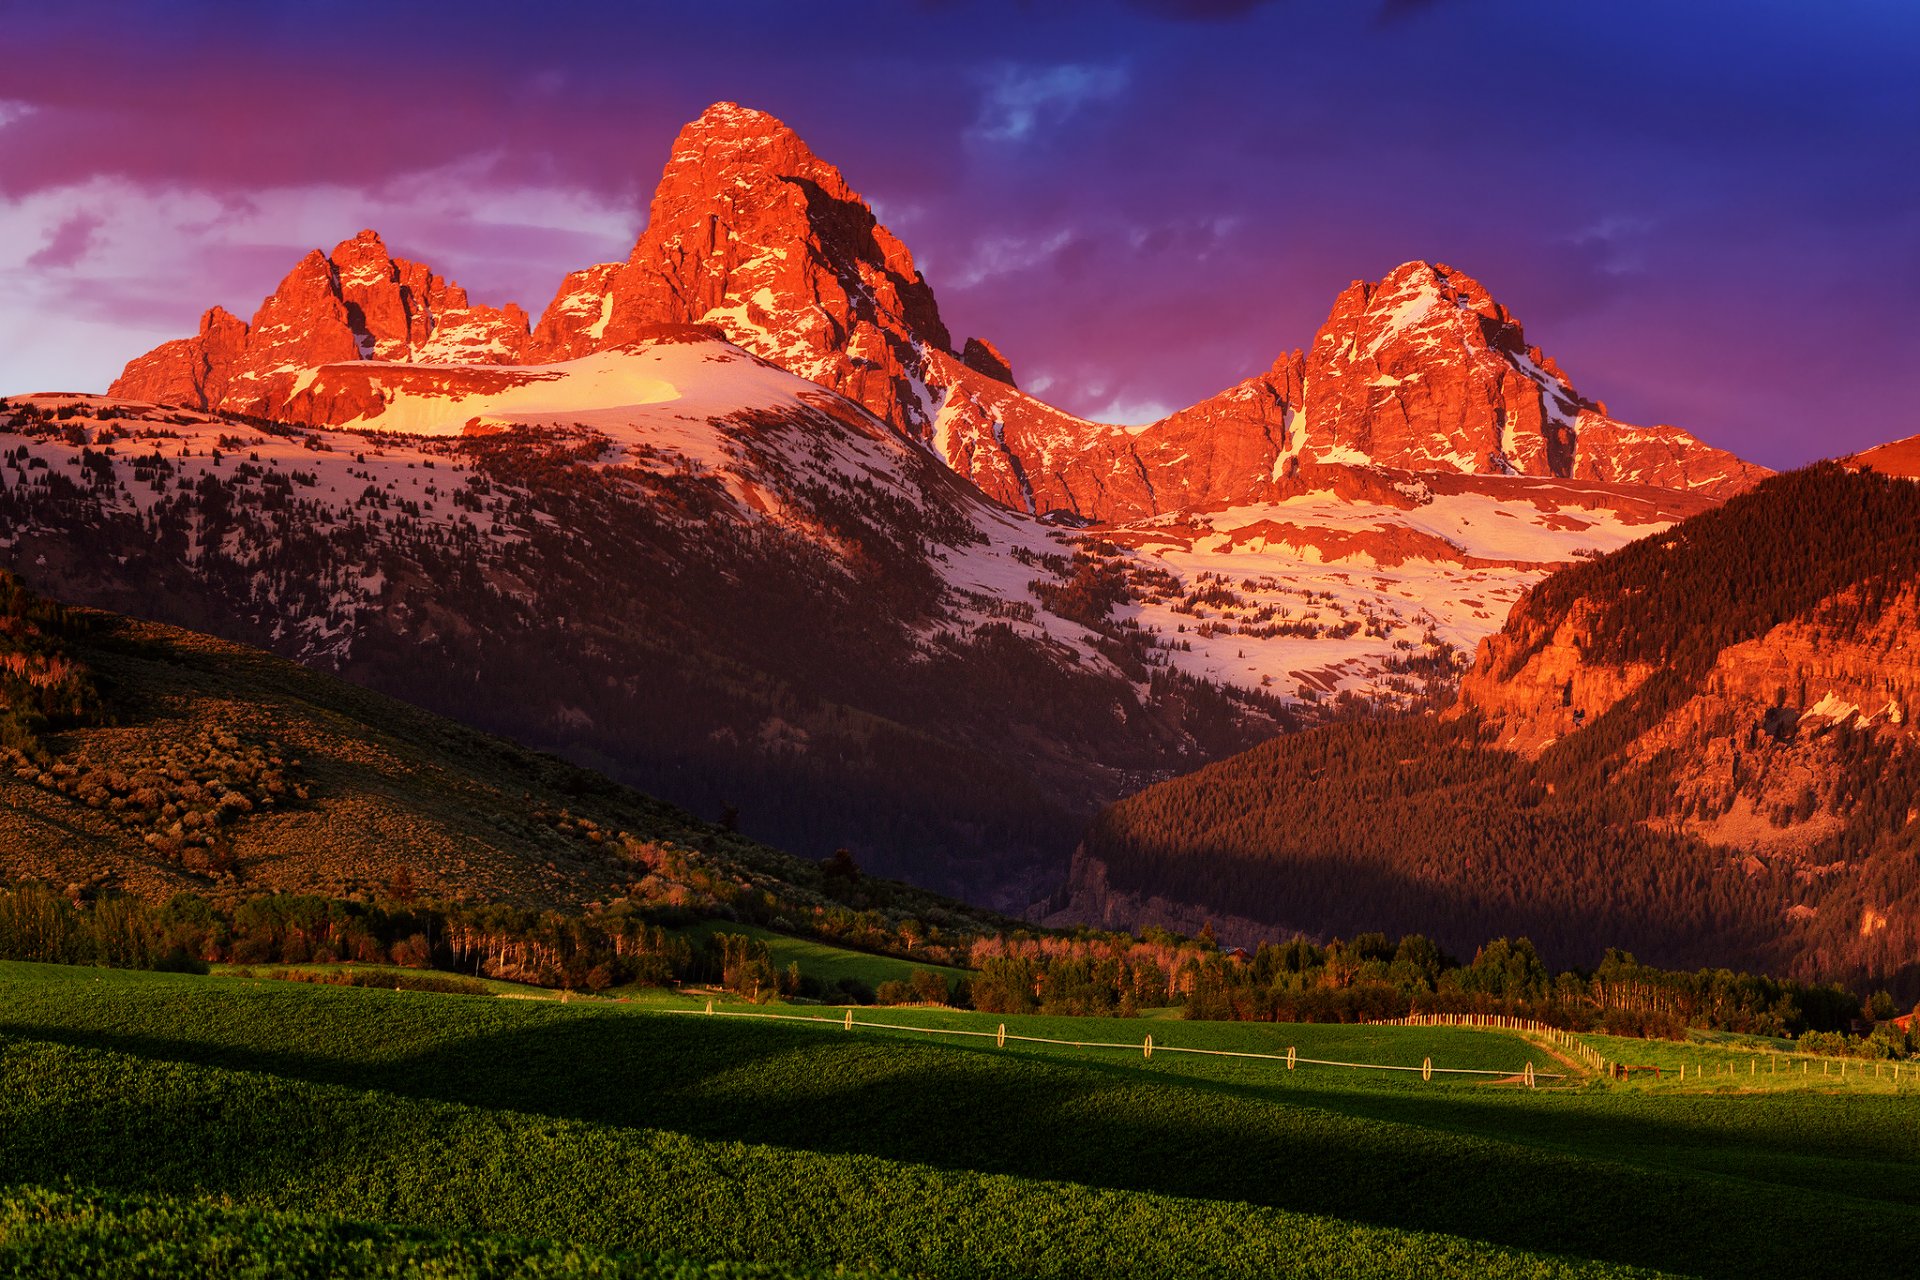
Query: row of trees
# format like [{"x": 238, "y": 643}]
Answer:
[
  {"x": 1372, "y": 977},
  {"x": 1367, "y": 978},
  {"x": 593, "y": 951}
]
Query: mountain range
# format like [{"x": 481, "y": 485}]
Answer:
[{"x": 737, "y": 520}]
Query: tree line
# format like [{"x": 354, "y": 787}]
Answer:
[{"x": 1369, "y": 977}]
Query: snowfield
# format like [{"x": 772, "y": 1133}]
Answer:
[{"x": 1303, "y": 599}]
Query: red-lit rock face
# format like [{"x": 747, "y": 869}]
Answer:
[
  {"x": 1900, "y": 458},
  {"x": 357, "y": 303},
  {"x": 576, "y": 319},
  {"x": 1425, "y": 371},
  {"x": 190, "y": 371},
  {"x": 752, "y": 233}
]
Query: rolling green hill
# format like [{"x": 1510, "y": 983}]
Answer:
[{"x": 600, "y": 1128}]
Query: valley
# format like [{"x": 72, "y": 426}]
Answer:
[{"x": 917, "y": 642}]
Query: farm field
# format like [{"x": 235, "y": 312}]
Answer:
[
  {"x": 461, "y": 1135},
  {"x": 1747, "y": 1064},
  {"x": 821, "y": 960}
]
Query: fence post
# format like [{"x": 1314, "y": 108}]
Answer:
[
  {"x": 849, "y": 1019},
  {"x": 1001, "y": 1039},
  {"x": 709, "y": 1006},
  {"x": 1290, "y": 1054},
  {"x": 1529, "y": 1075},
  {"x": 1426, "y": 1069},
  {"x": 1148, "y": 1048}
]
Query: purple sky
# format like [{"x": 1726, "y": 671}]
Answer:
[{"x": 1708, "y": 213}]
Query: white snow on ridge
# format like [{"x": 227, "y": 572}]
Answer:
[{"x": 1303, "y": 598}]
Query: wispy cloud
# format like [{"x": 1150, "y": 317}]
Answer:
[
  {"x": 67, "y": 243},
  {"x": 1001, "y": 255},
  {"x": 1132, "y": 411},
  {"x": 1020, "y": 100},
  {"x": 10, "y": 111}
]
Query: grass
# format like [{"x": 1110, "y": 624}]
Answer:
[
  {"x": 46, "y": 1233},
  {"x": 620, "y": 1129},
  {"x": 821, "y": 960},
  {"x": 1733, "y": 1064}
]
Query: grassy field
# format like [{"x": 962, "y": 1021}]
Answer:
[
  {"x": 1745, "y": 1064},
  {"x": 821, "y": 960},
  {"x": 379, "y": 1126}
]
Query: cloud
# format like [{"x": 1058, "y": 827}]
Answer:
[
  {"x": 1199, "y": 10},
  {"x": 11, "y": 111},
  {"x": 1019, "y": 100},
  {"x": 1128, "y": 410},
  {"x": 68, "y": 243},
  {"x": 1003, "y": 255},
  {"x": 1614, "y": 245},
  {"x": 96, "y": 272}
]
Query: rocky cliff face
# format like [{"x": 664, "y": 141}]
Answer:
[
  {"x": 356, "y": 303},
  {"x": 1425, "y": 370},
  {"x": 1752, "y": 729},
  {"x": 1774, "y": 721},
  {"x": 753, "y": 233}
]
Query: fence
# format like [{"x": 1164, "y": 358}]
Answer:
[
  {"x": 1833, "y": 1070},
  {"x": 1506, "y": 1022},
  {"x": 1146, "y": 1048}
]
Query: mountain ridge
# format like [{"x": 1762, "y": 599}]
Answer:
[
  {"x": 733, "y": 521},
  {"x": 750, "y": 231}
]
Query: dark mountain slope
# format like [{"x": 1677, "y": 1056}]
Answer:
[
  {"x": 748, "y": 594},
  {"x": 146, "y": 759}
]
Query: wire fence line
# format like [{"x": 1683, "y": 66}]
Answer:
[
  {"x": 1832, "y": 1069},
  {"x": 1507, "y": 1022},
  {"x": 1146, "y": 1048}
]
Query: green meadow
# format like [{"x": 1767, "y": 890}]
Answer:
[
  {"x": 1746, "y": 1064},
  {"x": 164, "y": 1125},
  {"x": 818, "y": 959}
]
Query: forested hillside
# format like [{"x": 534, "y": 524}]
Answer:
[{"x": 1700, "y": 748}]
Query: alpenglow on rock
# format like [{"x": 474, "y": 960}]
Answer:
[
  {"x": 753, "y": 234},
  {"x": 357, "y": 303}
]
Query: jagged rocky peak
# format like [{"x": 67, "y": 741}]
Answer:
[
  {"x": 1425, "y": 370},
  {"x": 358, "y": 302},
  {"x": 576, "y": 320},
  {"x": 751, "y": 231}
]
